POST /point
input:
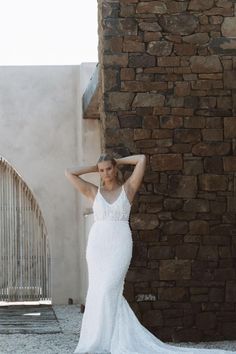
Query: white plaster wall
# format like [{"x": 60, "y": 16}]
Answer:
[
  {"x": 40, "y": 122},
  {"x": 88, "y": 154}
]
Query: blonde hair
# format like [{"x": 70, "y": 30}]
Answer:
[{"x": 109, "y": 157}]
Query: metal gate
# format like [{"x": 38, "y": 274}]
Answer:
[{"x": 25, "y": 273}]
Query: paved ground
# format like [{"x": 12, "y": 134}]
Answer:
[{"x": 69, "y": 318}]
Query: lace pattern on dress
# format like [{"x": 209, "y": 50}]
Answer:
[{"x": 119, "y": 210}]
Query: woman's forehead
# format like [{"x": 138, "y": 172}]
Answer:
[{"x": 104, "y": 164}]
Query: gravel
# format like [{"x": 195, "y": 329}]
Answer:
[{"x": 69, "y": 317}]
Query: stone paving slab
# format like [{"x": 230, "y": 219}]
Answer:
[{"x": 28, "y": 320}]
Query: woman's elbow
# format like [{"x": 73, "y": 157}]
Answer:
[
  {"x": 67, "y": 172},
  {"x": 143, "y": 158}
]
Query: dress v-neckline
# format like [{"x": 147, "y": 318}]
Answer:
[{"x": 122, "y": 188}]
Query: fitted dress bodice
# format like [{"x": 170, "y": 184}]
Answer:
[{"x": 119, "y": 210}]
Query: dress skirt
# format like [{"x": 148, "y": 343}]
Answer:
[{"x": 108, "y": 255}]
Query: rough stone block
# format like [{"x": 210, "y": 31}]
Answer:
[
  {"x": 182, "y": 186},
  {"x": 205, "y": 64},
  {"x": 170, "y": 122},
  {"x": 220, "y": 11},
  {"x": 230, "y": 79},
  {"x": 144, "y": 221},
  {"x": 213, "y": 164},
  {"x": 222, "y": 229},
  {"x": 230, "y": 294},
  {"x": 160, "y": 252},
  {"x": 173, "y": 204},
  {"x": 142, "y": 60},
  {"x": 225, "y": 274},
  {"x": 193, "y": 167},
  {"x": 229, "y": 163},
  {"x": 211, "y": 148},
  {"x": 187, "y": 251},
  {"x": 149, "y": 7},
  {"x": 206, "y": 320},
  {"x": 187, "y": 135},
  {"x": 151, "y": 36},
  {"x": 198, "y": 227},
  {"x": 153, "y": 318},
  {"x": 185, "y": 49},
  {"x": 182, "y": 88},
  {"x": 229, "y": 330},
  {"x": 183, "y": 23},
  {"x": 200, "y": 5},
  {"x": 148, "y": 99},
  {"x": 120, "y": 26},
  {"x": 127, "y": 74},
  {"x": 168, "y": 61},
  {"x": 119, "y": 101},
  {"x": 231, "y": 204},
  {"x": 212, "y": 134},
  {"x": 216, "y": 294},
  {"x": 197, "y": 205},
  {"x": 116, "y": 59},
  {"x": 225, "y": 252},
  {"x": 149, "y": 26},
  {"x": 143, "y": 86},
  {"x": 182, "y": 111},
  {"x": 124, "y": 136},
  {"x": 127, "y": 11},
  {"x": 133, "y": 46},
  {"x": 173, "y": 294},
  {"x": 113, "y": 45},
  {"x": 228, "y": 27},
  {"x": 166, "y": 162},
  {"x": 197, "y": 38},
  {"x": 210, "y": 182},
  {"x": 176, "y": 6},
  {"x": 160, "y": 48},
  {"x": 218, "y": 206},
  {"x": 175, "y": 227},
  {"x": 130, "y": 121},
  {"x": 194, "y": 122},
  {"x": 161, "y": 134},
  {"x": 141, "y": 274},
  {"x": 142, "y": 134},
  {"x": 224, "y": 102},
  {"x": 111, "y": 79},
  {"x": 208, "y": 252},
  {"x": 230, "y": 127}
]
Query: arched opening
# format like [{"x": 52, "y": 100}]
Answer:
[{"x": 25, "y": 273}]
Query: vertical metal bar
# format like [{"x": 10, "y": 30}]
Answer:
[
  {"x": 3, "y": 236},
  {"x": 20, "y": 236},
  {"x": 1, "y": 231}
]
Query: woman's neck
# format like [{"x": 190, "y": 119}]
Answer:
[{"x": 113, "y": 185}]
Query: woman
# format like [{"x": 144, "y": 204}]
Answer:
[{"x": 109, "y": 325}]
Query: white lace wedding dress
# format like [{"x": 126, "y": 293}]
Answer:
[{"x": 109, "y": 325}]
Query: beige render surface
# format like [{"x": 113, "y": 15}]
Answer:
[{"x": 42, "y": 133}]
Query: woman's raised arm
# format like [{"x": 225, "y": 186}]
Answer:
[
  {"x": 86, "y": 188},
  {"x": 134, "y": 181}
]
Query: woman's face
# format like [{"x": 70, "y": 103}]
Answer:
[{"x": 107, "y": 171}]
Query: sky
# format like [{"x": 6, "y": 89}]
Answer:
[{"x": 48, "y": 32}]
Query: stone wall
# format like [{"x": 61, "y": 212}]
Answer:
[{"x": 168, "y": 77}]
